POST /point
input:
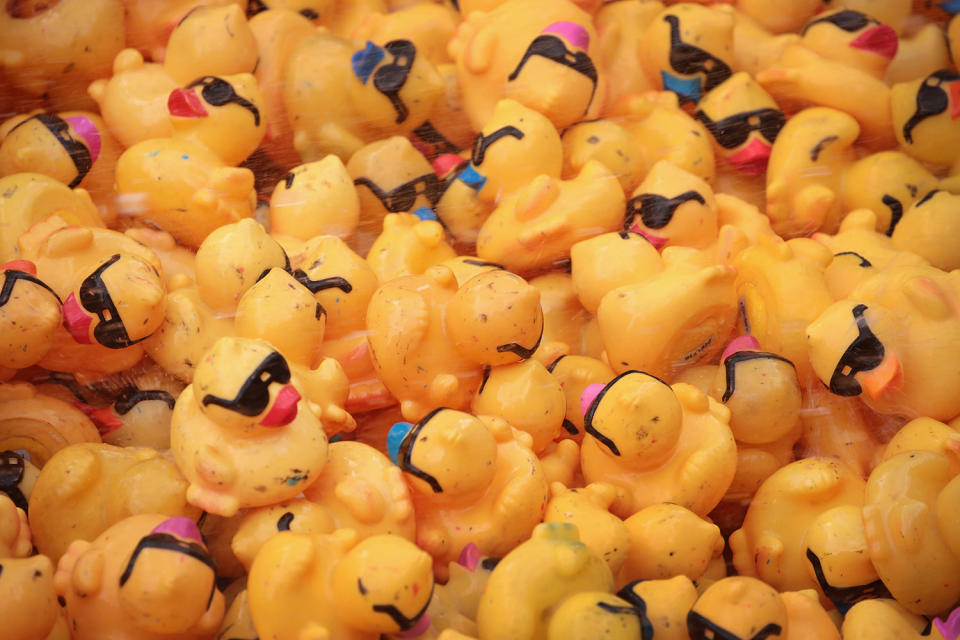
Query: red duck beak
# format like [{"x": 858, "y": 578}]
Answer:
[
  {"x": 76, "y": 320},
  {"x": 104, "y": 419},
  {"x": 881, "y": 39},
  {"x": 445, "y": 163},
  {"x": 656, "y": 241},
  {"x": 954, "y": 91},
  {"x": 284, "y": 408},
  {"x": 185, "y": 104},
  {"x": 752, "y": 159}
]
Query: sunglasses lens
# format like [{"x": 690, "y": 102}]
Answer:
[
  {"x": 218, "y": 92},
  {"x": 402, "y": 199}
]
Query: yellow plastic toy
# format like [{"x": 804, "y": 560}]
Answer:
[
  {"x": 408, "y": 245},
  {"x": 672, "y": 207},
  {"x": 925, "y": 116},
  {"x": 317, "y": 198},
  {"x": 334, "y": 586},
  {"x": 888, "y": 183},
  {"x": 885, "y": 619},
  {"x": 762, "y": 391},
  {"x": 657, "y": 443},
  {"x": 471, "y": 481},
  {"x": 55, "y": 50},
  {"x": 147, "y": 577},
  {"x": 565, "y": 321},
  {"x": 769, "y": 276},
  {"x": 910, "y": 525},
  {"x": 779, "y": 19},
  {"x": 277, "y": 34},
  {"x": 243, "y": 403},
  {"x": 677, "y": 318},
  {"x": 28, "y": 602},
  {"x": 212, "y": 41},
  {"x": 428, "y": 25},
  {"x": 228, "y": 263},
  {"x": 770, "y": 544},
  {"x": 541, "y": 413},
  {"x": 661, "y": 605},
  {"x": 926, "y": 434},
  {"x": 542, "y": 54},
  {"x": 926, "y": 229},
  {"x": 892, "y": 337},
  {"x": 688, "y": 50},
  {"x": 744, "y": 122},
  {"x": 620, "y": 27},
  {"x": 343, "y": 283},
  {"x": 391, "y": 176},
  {"x": 342, "y": 93},
  {"x": 610, "y": 143},
  {"x": 112, "y": 291},
  {"x": 537, "y": 226},
  {"x": 183, "y": 188},
  {"x": 667, "y": 540},
  {"x": 73, "y": 147},
  {"x": 15, "y": 540},
  {"x": 738, "y": 607},
  {"x": 575, "y": 373},
  {"x": 588, "y": 509},
  {"x": 30, "y": 316},
  {"x": 802, "y": 77},
  {"x": 428, "y": 339},
  {"x": 852, "y": 38},
  {"x": 361, "y": 489},
  {"x": 258, "y": 525},
  {"x": 758, "y": 44},
  {"x": 805, "y": 172},
  {"x": 34, "y": 198},
  {"x": 535, "y": 583},
  {"x": 284, "y": 312},
  {"x": 223, "y": 113},
  {"x": 86, "y": 488},
  {"x": 39, "y": 424}
]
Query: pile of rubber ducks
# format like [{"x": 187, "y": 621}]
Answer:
[{"x": 479, "y": 320}]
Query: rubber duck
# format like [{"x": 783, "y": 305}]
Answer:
[
  {"x": 30, "y": 318},
  {"x": 656, "y": 443},
  {"x": 432, "y": 354},
  {"x": 852, "y": 38},
  {"x": 74, "y": 147},
  {"x": 620, "y": 27},
  {"x": 588, "y": 509},
  {"x": 258, "y": 525},
  {"x": 575, "y": 373},
  {"x": 779, "y": 19},
  {"x": 15, "y": 540},
  {"x": 542, "y": 54},
  {"x": 315, "y": 199},
  {"x": 230, "y": 415},
  {"x": 669, "y": 332},
  {"x": 925, "y": 230},
  {"x": 805, "y": 171},
  {"x": 769, "y": 544},
  {"x": 334, "y": 584},
  {"x": 55, "y": 50},
  {"x": 29, "y": 604},
  {"x": 86, "y": 488},
  {"x": 565, "y": 321},
  {"x": 342, "y": 93},
  {"x": 409, "y": 244},
  {"x": 532, "y": 589},
  {"x": 891, "y": 337},
  {"x": 127, "y": 582},
  {"x": 610, "y": 143},
  {"x": 688, "y": 49},
  {"x": 885, "y": 619},
  {"x": 428, "y": 25},
  {"x": 210, "y": 41},
  {"x": 472, "y": 481}
]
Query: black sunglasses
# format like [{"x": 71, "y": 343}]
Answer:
[
  {"x": 11, "y": 473},
  {"x": 639, "y": 606},
  {"x": 402, "y": 197},
  {"x": 552, "y": 48},
  {"x": 10, "y": 279},
  {"x": 848, "y": 20},
  {"x": 403, "y": 621},
  {"x": 731, "y": 132},
  {"x": 78, "y": 152},
  {"x": 406, "y": 452},
  {"x": 390, "y": 78},
  {"x": 702, "y": 628},
  {"x": 315, "y": 286},
  {"x": 481, "y": 142},
  {"x": 730, "y": 367},
  {"x": 655, "y": 210},
  {"x": 845, "y": 597},
  {"x": 170, "y": 542},
  {"x": 218, "y": 92},
  {"x": 592, "y": 410},
  {"x": 95, "y": 298},
  {"x": 689, "y": 59},
  {"x": 863, "y": 354},
  {"x": 931, "y": 100},
  {"x": 131, "y": 397},
  {"x": 254, "y": 395}
]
